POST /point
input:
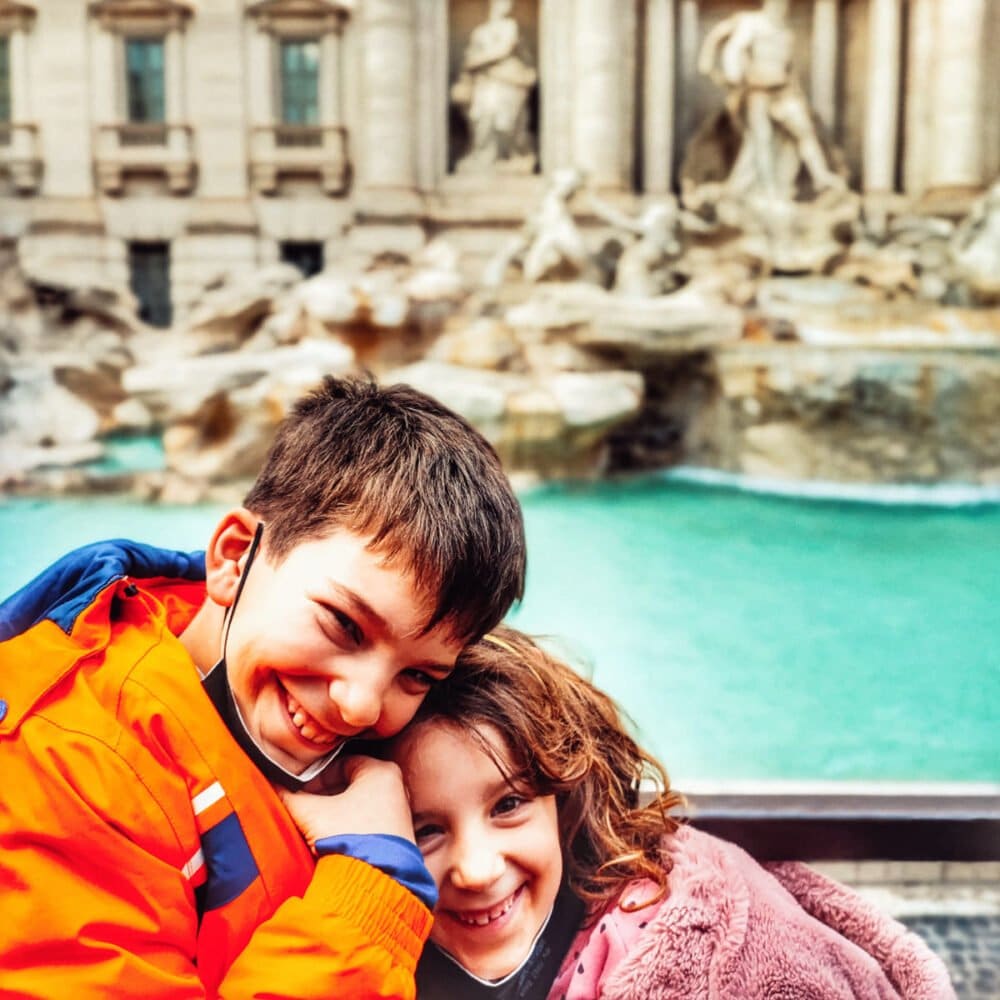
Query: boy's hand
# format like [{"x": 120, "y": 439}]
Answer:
[{"x": 372, "y": 800}]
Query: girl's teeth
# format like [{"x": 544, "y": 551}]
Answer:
[{"x": 481, "y": 920}]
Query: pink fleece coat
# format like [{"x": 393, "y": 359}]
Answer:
[{"x": 732, "y": 930}]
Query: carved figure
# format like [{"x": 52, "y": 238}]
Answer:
[
  {"x": 492, "y": 91},
  {"x": 750, "y": 55},
  {"x": 549, "y": 243},
  {"x": 975, "y": 250},
  {"x": 647, "y": 265}
]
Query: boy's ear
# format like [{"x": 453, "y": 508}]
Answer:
[{"x": 226, "y": 554}]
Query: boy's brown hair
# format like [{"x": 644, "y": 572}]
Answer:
[
  {"x": 569, "y": 739},
  {"x": 394, "y": 464}
]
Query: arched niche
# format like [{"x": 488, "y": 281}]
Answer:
[{"x": 464, "y": 17}]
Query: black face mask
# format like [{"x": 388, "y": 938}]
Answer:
[
  {"x": 440, "y": 977},
  {"x": 216, "y": 685}
]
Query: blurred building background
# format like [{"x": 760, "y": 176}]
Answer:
[{"x": 162, "y": 142}]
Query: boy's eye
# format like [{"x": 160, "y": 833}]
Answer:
[{"x": 349, "y": 626}]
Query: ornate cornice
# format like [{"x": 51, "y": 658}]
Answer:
[
  {"x": 125, "y": 15},
  {"x": 283, "y": 16},
  {"x": 16, "y": 16}
]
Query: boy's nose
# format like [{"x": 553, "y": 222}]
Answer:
[
  {"x": 358, "y": 700},
  {"x": 477, "y": 863}
]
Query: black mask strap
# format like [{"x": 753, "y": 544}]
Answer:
[{"x": 216, "y": 686}]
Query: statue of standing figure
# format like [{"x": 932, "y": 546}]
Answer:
[
  {"x": 492, "y": 90},
  {"x": 749, "y": 54}
]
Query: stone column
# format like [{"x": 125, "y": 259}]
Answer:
[
  {"x": 956, "y": 105},
  {"x": 331, "y": 110},
  {"x": 105, "y": 103},
  {"x": 432, "y": 92},
  {"x": 687, "y": 58},
  {"x": 919, "y": 74},
  {"x": 555, "y": 64},
  {"x": 602, "y": 132},
  {"x": 260, "y": 72},
  {"x": 658, "y": 92},
  {"x": 20, "y": 102},
  {"x": 173, "y": 72},
  {"x": 882, "y": 109},
  {"x": 387, "y": 143},
  {"x": 823, "y": 71}
]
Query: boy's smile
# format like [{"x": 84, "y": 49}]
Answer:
[
  {"x": 493, "y": 849},
  {"x": 326, "y": 644}
]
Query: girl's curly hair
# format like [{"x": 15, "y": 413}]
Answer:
[{"x": 568, "y": 739}]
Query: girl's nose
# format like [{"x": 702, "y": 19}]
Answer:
[{"x": 477, "y": 863}]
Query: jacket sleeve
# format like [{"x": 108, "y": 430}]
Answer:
[
  {"x": 98, "y": 900},
  {"x": 916, "y": 972},
  {"x": 354, "y": 932},
  {"x": 729, "y": 929}
]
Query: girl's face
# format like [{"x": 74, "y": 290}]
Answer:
[{"x": 493, "y": 849}]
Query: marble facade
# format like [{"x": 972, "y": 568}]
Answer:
[{"x": 906, "y": 88}]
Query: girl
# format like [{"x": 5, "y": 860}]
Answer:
[{"x": 556, "y": 882}]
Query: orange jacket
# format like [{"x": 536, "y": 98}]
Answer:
[{"x": 141, "y": 853}]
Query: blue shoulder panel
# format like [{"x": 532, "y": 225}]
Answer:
[
  {"x": 70, "y": 585},
  {"x": 229, "y": 864}
]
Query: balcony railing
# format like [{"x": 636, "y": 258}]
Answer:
[
  {"x": 145, "y": 147},
  {"x": 298, "y": 150},
  {"x": 825, "y": 823},
  {"x": 19, "y": 157}
]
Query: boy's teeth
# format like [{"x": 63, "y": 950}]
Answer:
[{"x": 306, "y": 725}]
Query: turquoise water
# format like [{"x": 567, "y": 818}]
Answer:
[{"x": 748, "y": 636}]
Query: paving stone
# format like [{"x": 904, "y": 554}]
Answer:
[{"x": 969, "y": 946}]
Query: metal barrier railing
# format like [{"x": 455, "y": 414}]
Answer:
[{"x": 926, "y": 822}]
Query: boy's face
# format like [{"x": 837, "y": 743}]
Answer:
[
  {"x": 493, "y": 850},
  {"x": 326, "y": 645}
]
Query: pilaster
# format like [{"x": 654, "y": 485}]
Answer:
[
  {"x": 603, "y": 48},
  {"x": 556, "y": 24},
  {"x": 388, "y": 147},
  {"x": 882, "y": 108},
  {"x": 823, "y": 68},
  {"x": 658, "y": 74}
]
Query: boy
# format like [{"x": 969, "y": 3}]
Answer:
[{"x": 156, "y": 704}]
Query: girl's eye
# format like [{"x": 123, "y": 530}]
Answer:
[
  {"x": 509, "y": 804},
  {"x": 426, "y": 832},
  {"x": 420, "y": 679}
]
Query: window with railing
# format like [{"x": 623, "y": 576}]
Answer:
[
  {"x": 145, "y": 88},
  {"x": 299, "y": 81}
]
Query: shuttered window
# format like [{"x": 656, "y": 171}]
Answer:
[
  {"x": 144, "y": 79},
  {"x": 4, "y": 78},
  {"x": 299, "y": 64}
]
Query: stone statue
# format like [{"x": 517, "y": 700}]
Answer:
[
  {"x": 749, "y": 54},
  {"x": 549, "y": 243},
  {"x": 975, "y": 250},
  {"x": 648, "y": 264},
  {"x": 492, "y": 91}
]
